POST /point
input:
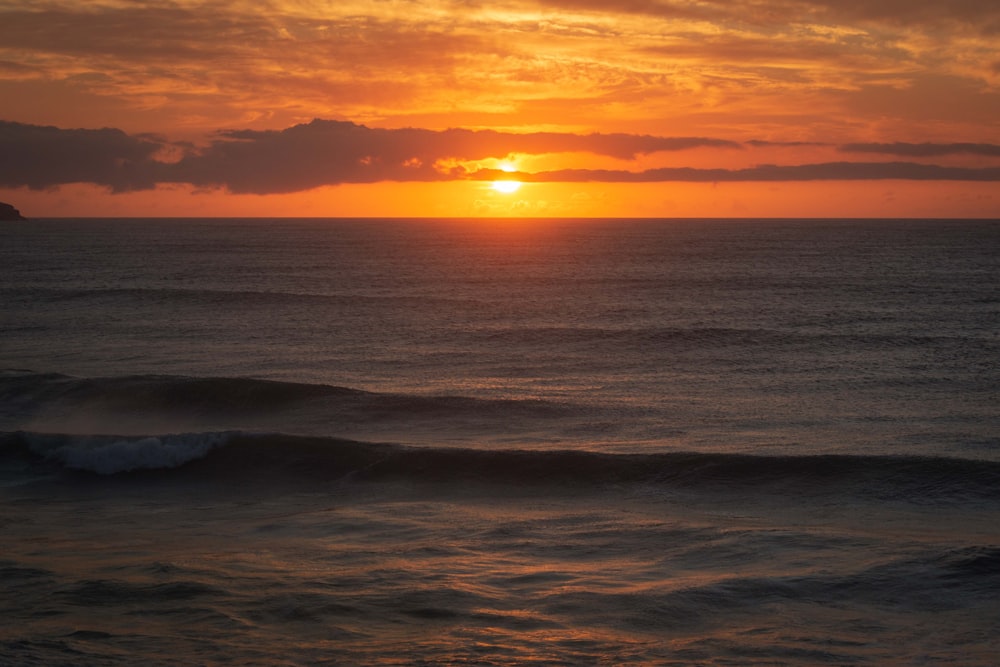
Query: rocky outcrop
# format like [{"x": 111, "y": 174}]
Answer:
[{"x": 8, "y": 212}]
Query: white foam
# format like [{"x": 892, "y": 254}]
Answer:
[{"x": 107, "y": 455}]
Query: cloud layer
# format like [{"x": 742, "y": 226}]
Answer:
[
  {"x": 326, "y": 152},
  {"x": 38, "y": 157},
  {"x": 809, "y": 68}
]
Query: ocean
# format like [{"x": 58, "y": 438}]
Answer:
[{"x": 499, "y": 442}]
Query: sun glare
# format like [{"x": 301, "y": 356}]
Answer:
[{"x": 507, "y": 187}]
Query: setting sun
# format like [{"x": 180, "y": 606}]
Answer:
[
  {"x": 530, "y": 109},
  {"x": 507, "y": 187}
]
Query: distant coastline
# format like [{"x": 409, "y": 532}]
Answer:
[{"x": 8, "y": 212}]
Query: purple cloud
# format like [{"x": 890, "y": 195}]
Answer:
[{"x": 326, "y": 152}]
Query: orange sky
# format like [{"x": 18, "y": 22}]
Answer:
[{"x": 602, "y": 107}]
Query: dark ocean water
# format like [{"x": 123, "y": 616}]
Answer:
[{"x": 304, "y": 442}]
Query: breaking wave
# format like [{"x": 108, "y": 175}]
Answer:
[
  {"x": 108, "y": 455},
  {"x": 262, "y": 458}
]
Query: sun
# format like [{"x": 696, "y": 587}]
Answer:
[{"x": 506, "y": 187}]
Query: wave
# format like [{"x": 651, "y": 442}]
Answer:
[
  {"x": 219, "y": 296},
  {"x": 702, "y": 337},
  {"x": 159, "y": 391},
  {"x": 109, "y": 455},
  {"x": 28, "y": 393},
  {"x": 262, "y": 458}
]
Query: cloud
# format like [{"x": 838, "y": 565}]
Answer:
[
  {"x": 325, "y": 151},
  {"x": 980, "y": 12},
  {"x": 923, "y": 149},
  {"x": 826, "y": 171},
  {"x": 39, "y": 157},
  {"x": 328, "y": 152},
  {"x": 224, "y": 60},
  {"x": 297, "y": 158},
  {"x": 588, "y": 63},
  {"x": 984, "y": 13},
  {"x": 760, "y": 143}
]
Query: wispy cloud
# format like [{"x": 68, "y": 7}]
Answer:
[
  {"x": 982, "y": 13},
  {"x": 594, "y": 64},
  {"x": 923, "y": 149}
]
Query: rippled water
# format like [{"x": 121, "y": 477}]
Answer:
[{"x": 479, "y": 442}]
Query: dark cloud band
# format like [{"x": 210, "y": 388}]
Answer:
[
  {"x": 924, "y": 149},
  {"x": 326, "y": 152},
  {"x": 39, "y": 157},
  {"x": 827, "y": 171}
]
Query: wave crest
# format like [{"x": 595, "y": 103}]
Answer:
[
  {"x": 263, "y": 459},
  {"x": 109, "y": 455}
]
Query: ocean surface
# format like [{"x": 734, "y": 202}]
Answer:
[{"x": 497, "y": 442}]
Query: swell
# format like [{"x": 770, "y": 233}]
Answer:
[
  {"x": 158, "y": 391},
  {"x": 262, "y": 459},
  {"x": 26, "y": 393},
  {"x": 215, "y": 297}
]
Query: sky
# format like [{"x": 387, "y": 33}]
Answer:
[{"x": 596, "y": 108}]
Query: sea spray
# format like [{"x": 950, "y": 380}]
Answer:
[{"x": 108, "y": 455}]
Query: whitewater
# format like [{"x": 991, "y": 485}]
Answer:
[{"x": 492, "y": 442}]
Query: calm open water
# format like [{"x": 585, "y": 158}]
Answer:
[{"x": 546, "y": 442}]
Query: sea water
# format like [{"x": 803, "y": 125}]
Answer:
[{"x": 557, "y": 442}]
